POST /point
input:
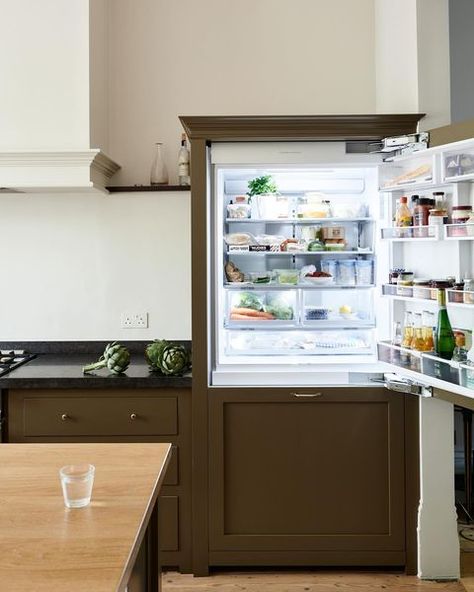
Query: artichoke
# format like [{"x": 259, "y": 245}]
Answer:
[
  {"x": 153, "y": 352},
  {"x": 168, "y": 358},
  {"x": 116, "y": 358}
]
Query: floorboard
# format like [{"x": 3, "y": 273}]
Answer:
[{"x": 304, "y": 581}]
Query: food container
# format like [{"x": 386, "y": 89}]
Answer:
[
  {"x": 346, "y": 272},
  {"x": 329, "y": 266},
  {"x": 363, "y": 272},
  {"x": 314, "y": 205},
  {"x": 260, "y": 277},
  {"x": 436, "y": 217},
  {"x": 287, "y": 276},
  {"x": 238, "y": 211},
  {"x": 393, "y": 275},
  {"x": 457, "y": 295},
  {"x": 460, "y": 215},
  {"x": 422, "y": 288},
  {"x": 335, "y": 246},
  {"x": 330, "y": 232},
  {"x": 405, "y": 284},
  {"x": 309, "y": 233},
  {"x": 439, "y": 285},
  {"x": 316, "y": 313},
  {"x": 468, "y": 296},
  {"x": 421, "y": 216},
  {"x": 318, "y": 281}
]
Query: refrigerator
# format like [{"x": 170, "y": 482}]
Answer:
[{"x": 299, "y": 290}]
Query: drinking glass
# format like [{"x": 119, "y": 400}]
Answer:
[{"x": 77, "y": 482}]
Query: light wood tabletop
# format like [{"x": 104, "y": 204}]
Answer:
[{"x": 46, "y": 547}]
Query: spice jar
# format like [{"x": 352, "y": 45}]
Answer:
[
  {"x": 421, "y": 288},
  {"x": 421, "y": 216},
  {"x": 468, "y": 296},
  {"x": 393, "y": 275},
  {"x": 437, "y": 285},
  {"x": 436, "y": 217},
  {"x": 457, "y": 295},
  {"x": 405, "y": 283}
]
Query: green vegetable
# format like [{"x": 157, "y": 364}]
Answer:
[
  {"x": 315, "y": 245},
  {"x": 167, "y": 357},
  {"x": 249, "y": 300},
  {"x": 260, "y": 185},
  {"x": 116, "y": 358},
  {"x": 153, "y": 352},
  {"x": 280, "y": 309}
]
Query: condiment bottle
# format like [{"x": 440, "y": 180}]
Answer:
[
  {"x": 460, "y": 351},
  {"x": 417, "y": 341},
  {"x": 404, "y": 217}
]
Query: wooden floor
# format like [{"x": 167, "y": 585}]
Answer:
[{"x": 304, "y": 581}]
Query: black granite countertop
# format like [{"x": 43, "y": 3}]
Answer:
[{"x": 54, "y": 369}]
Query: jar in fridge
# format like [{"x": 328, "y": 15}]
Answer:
[
  {"x": 421, "y": 214},
  {"x": 346, "y": 272},
  {"x": 468, "y": 295},
  {"x": 436, "y": 217},
  {"x": 460, "y": 215},
  {"x": 363, "y": 271},
  {"x": 457, "y": 295}
]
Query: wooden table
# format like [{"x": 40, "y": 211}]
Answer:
[{"x": 47, "y": 547}]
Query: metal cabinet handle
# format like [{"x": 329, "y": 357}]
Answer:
[
  {"x": 307, "y": 395},
  {"x": 64, "y": 416},
  {"x": 133, "y": 416}
]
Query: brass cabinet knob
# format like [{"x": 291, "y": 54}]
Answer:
[
  {"x": 133, "y": 416},
  {"x": 64, "y": 416}
]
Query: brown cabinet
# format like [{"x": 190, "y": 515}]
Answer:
[
  {"x": 119, "y": 415},
  {"x": 315, "y": 477}
]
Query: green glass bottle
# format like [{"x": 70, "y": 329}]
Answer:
[{"x": 445, "y": 342}]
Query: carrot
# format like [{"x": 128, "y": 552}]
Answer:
[
  {"x": 241, "y": 317},
  {"x": 252, "y": 313}
]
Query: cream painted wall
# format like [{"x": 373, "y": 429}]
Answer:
[
  {"x": 44, "y": 74},
  {"x": 213, "y": 57},
  {"x": 79, "y": 261}
]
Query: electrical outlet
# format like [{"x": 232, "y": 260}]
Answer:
[{"x": 134, "y": 320}]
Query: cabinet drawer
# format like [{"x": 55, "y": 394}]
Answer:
[{"x": 100, "y": 416}]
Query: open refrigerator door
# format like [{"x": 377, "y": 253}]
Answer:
[{"x": 295, "y": 264}]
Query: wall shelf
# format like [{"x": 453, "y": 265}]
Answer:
[{"x": 150, "y": 188}]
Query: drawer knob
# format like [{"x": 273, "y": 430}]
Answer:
[
  {"x": 133, "y": 416},
  {"x": 64, "y": 416}
]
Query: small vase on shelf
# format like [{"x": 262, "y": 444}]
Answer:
[{"x": 159, "y": 172}]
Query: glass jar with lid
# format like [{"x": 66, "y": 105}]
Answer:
[
  {"x": 468, "y": 296},
  {"x": 405, "y": 283}
]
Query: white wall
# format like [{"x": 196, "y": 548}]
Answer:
[
  {"x": 44, "y": 74},
  {"x": 76, "y": 262},
  {"x": 214, "y": 57}
]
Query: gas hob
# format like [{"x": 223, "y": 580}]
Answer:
[{"x": 9, "y": 360}]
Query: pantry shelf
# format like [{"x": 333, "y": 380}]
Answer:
[
  {"x": 296, "y": 253},
  {"x": 248, "y": 286}
]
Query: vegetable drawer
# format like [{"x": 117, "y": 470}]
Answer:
[{"x": 100, "y": 416}]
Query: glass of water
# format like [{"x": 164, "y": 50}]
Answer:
[{"x": 77, "y": 482}]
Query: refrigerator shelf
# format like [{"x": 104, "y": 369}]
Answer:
[
  {"x": 295, "y": 221},
  {"x": 426, "y": 363},
  {"x": 411, "y": 233},
  {"x": 300, "y": 286},
  {"x": 327, "y": 325},
  {"x": 459, "y": 231},
  {"x": 264, "y": 324},
  {"x": 424, "y": 294},
  {"x": 466, "y": 297},
  {"x": 295, "y": 254}
]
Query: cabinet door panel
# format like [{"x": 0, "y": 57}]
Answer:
[{"x": 325, "y": 473}]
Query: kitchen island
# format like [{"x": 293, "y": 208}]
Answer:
[{"x": 47, "y": 547}]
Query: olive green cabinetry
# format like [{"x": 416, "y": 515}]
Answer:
[
  {"x": 308, "y": 477},
  {"x": 119, "y": 415}
]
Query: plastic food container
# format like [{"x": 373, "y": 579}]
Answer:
[
  {"x": 287, "y": 276},
  {"x": 346, "y": 272},
  {"x": 405, "y": 284},
  {"x": 260, "y": 277},
  {"x": 238, "y": 211},
  {"x": 329, "y": 266},
  {"x": 363, "y": 272},
  {"x": 316, "y": 313}
]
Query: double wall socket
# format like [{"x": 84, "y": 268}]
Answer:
[{"x": 134, "y": 320}]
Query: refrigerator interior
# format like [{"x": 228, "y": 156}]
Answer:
[{"x": 277, "y": 316}]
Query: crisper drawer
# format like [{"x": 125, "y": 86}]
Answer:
[{"x": 100, "y": 416}]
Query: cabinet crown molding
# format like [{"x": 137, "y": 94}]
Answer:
[{"x": 47, "y": 171}]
